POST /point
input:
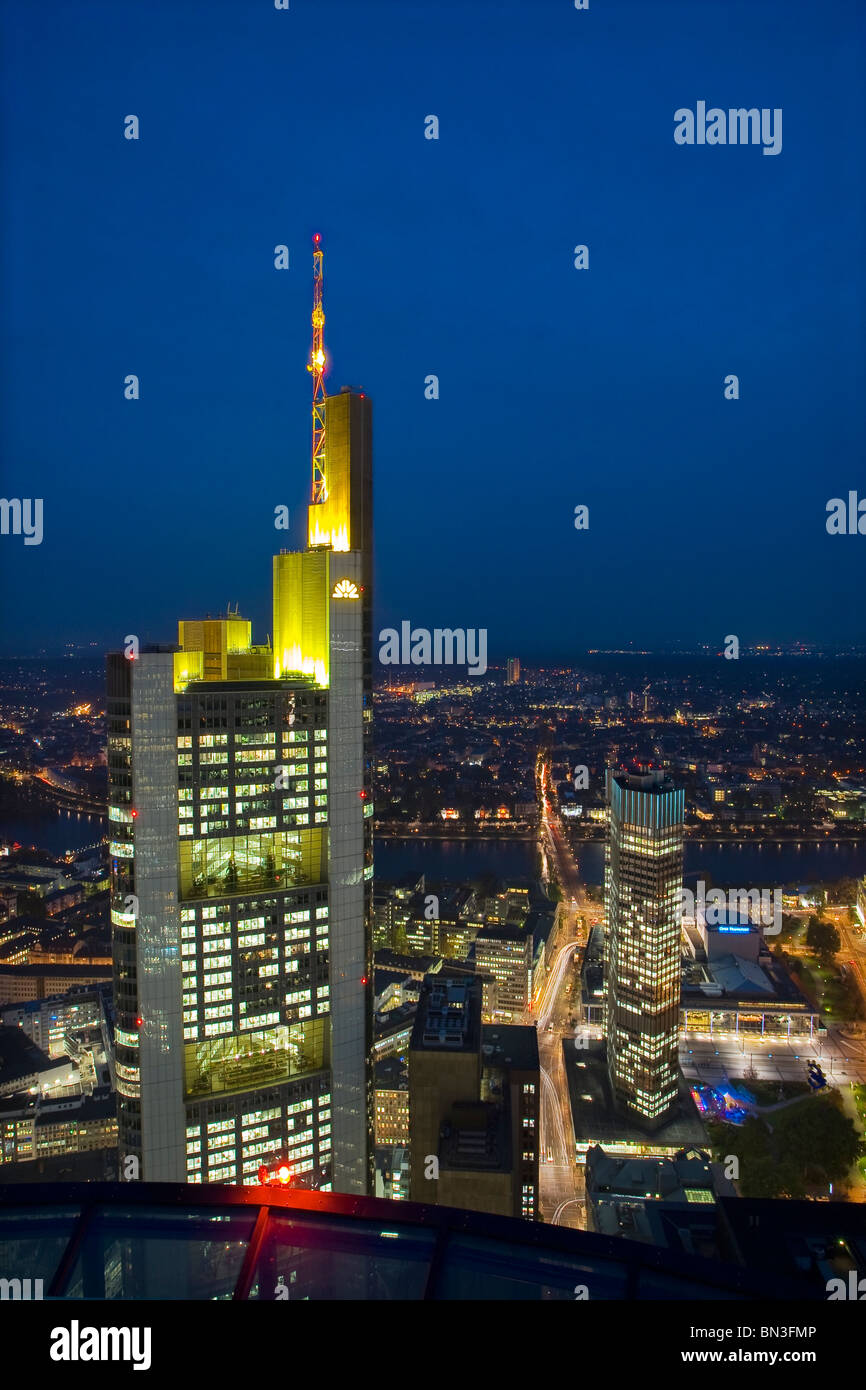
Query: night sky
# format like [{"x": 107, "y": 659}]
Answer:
[{"x": 558, "y": 387}]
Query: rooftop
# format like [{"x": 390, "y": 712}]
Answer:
[
  {"x": 671, "y": 1179},
  {"x": 475, "y": 1138},
  {"x": 449, "y": 1014},
  {"x": 19, "y": 1057},
  {"x": 597, "y": 1121},
  {"x": 514, "y": 1044}
]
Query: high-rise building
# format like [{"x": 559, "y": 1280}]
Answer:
[
  {"x": 242, "y": 860},
  {"x": 444, "y": 1068},
  {"x": 513, "y": 677},
  {"x": 643, "y": 877},
  {"x": 474, "y": 1095}
]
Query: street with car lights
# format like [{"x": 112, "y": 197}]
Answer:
[{"x": 556, "y": 1008}]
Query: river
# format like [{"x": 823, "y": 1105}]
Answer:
[
  {"x": 45, "y": 828},
  {"x": 735, "y": 866},
  {"x": 458, "y": 861}
]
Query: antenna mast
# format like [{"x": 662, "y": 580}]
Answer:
[{"x": 316, "y": 365}]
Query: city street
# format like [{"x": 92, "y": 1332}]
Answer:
[{"x": 560, "y": 1179}]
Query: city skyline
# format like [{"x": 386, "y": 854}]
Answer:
[
  {"x": 591, "y": 1013},
  {"x": 558, "y": 387}
]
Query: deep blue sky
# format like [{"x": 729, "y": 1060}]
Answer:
[{"x": 454, "y": 257}]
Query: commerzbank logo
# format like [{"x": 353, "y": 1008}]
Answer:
[{"x": 345, "y": 589}]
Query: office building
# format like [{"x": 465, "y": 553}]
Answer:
[
  {"x": 474, "y": 1096},
  {"x": 392, "y": 1174},
  {"x": 241, "y": 855},
  {"x": 20, "y": 984},
  {"x": 732, "y": 986},
  {"x": 52, "y": 1023},
  {"x": 643, "y": 877},
  {"x": 33, "y": 1128},
  {"x": 392, "y": 1103},
  {"x": 503, "y": 956},
  {"x": 511, "y": 1078},
  {"x": 513, "y": 677}
]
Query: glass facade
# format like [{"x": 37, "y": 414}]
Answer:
[
  {"x": 643, "y": 877},
  {"x": 241, "y": 868},
  {"x": 163, "y": 1242}
]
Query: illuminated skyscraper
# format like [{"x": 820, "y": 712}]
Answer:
[
  {"x": 643, "y": 877},
  {"x": 513, "y": 676},
  {"x": 242, "y": 861}
]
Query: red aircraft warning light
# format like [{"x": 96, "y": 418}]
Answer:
[{"x": 277, "y": 1176}]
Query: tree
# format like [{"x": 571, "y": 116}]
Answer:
[
  {"x": 816, "y": 1137},
  {"x": 843, "y": 891},
  {"x": 764, "y": 1175},
  {"x": 823, "y": 938},
  {"x": 812, "y": 1141},
  {"x": 31, "y": 904}
]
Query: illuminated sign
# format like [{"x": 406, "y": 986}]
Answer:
[
  {"x": 738, "y": 930},
  {"x": 345, "y": 589}
]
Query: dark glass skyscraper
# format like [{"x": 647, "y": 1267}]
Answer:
[{"x": 643, "y": 877}]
